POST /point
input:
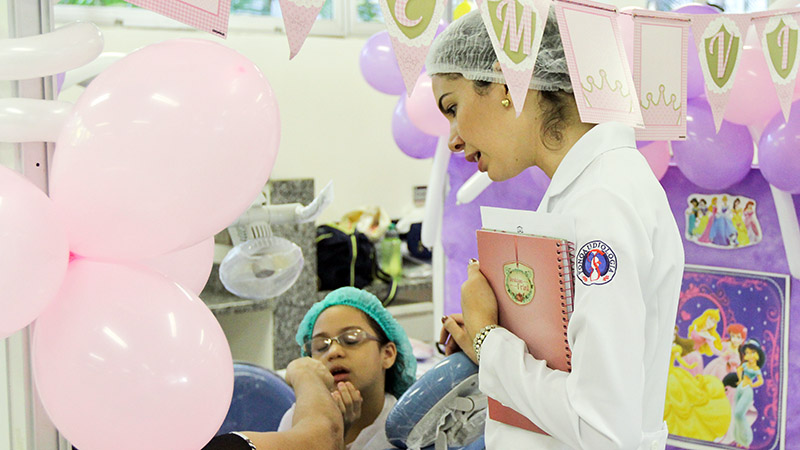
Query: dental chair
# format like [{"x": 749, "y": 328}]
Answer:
[
  {"x": 260, "y": 398},
  {"x": 442, "y": 410}
]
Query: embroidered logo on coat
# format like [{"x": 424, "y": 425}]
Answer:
[{"x": 596, "y": 263}]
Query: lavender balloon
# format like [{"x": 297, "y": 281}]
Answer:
[
  {"x": 695, "y": 84},
  {"x": 460, "y": 221},
  {"x": 410, "y": 139},
  {"x": 778, "y": 156},
  {"x": 709, "y": 159},
  {"x": 379, "y": 65}
]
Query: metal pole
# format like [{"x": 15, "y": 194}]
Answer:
[{"x": 30, "y": 428}]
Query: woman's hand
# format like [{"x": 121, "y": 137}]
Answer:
[
  {"x": 479, "y": 307},
  {"x": 349, "y": 400}
]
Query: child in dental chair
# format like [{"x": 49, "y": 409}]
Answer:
[{"x": 369, "y": 356}]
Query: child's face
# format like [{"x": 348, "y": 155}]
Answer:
[{"x": 362, "y": 364}]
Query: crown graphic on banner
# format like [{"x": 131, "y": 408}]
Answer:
[
  {"x": 661, "y": 111},
  {"x": 603, "y": 95}
]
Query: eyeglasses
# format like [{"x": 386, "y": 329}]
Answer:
[{"x": 350, "y": 338}]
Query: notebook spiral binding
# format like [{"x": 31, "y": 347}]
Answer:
[{"x": 566, "y": 260}]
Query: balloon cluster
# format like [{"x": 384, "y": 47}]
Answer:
[
  {"x": 416, "y": 121},
  {"x": 163, "y": 149}
]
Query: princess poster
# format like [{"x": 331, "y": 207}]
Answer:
[{"x": 727, "y": 377}]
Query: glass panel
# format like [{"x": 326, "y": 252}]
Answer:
[{"x": 369, "y": 11}]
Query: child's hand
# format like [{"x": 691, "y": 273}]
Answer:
[{"x": 348, "y": 399}]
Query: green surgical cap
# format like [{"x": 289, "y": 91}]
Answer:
[
  {"x": 465, "y": 48},
  {"x": 403, "y": 373}
]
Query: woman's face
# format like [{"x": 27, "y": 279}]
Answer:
[
  {"x": 487, "y": 132},
  {"x": 736, "y": 339},
  {"x": 363, "y": 364},
  {"x": 751, "y": 356}
]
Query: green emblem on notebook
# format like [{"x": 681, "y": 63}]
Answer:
[{"x": 519, "y": 282}]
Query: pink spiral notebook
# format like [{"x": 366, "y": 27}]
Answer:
[{"x": 531, "y": 276}]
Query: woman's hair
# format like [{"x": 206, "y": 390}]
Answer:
[
  {"x": 700, "y": 323},
  {"x": 686, "y": 344},
  {"x": 755, "y": 346},
  {"x": 737, "y": 328}
]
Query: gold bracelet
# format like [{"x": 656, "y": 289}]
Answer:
[{"x": 477, "y": 342}]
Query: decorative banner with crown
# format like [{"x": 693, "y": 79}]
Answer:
[
  {"x": 660, "y": 73},
  {"x": 598, "y": 67},
  {"x": 207, "y": 15},
  {"x": 515, "y": 27},
  {"x": 412, "y": 26},
  {"x": 298, "y": 18},
  {"x": 719, "y": 40},
  {"x": 778, "y": 37}
]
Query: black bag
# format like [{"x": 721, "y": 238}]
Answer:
[{"x": 348, "y": 259}]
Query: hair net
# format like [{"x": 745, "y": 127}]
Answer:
[
  {"x": 464, "y": 47},
  {"x": 403, "y": 373}
]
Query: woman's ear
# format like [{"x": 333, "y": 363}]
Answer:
[{"x": 388, "y": 355}]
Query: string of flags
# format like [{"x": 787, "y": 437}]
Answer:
[{"x": 646, "y": 90}]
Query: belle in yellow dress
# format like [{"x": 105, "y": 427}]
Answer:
[{"x": 696, "y": 406}]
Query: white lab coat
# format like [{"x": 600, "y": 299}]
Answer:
[{"x": 620, "y": 332}]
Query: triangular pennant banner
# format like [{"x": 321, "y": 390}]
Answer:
[
  {"x": 516, "y": 28},
  {"x": 207, "y": 15},
  {"x": 778, "y": 36},
  {"x": 298, "y": 18},
  {"x": 719, "y": 40},
  {"x": 412, "y": 26},
  {"x": 660, "y": 73},
  {"x": 598, "y": 66}
]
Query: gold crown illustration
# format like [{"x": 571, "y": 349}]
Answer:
[
  {"x": 603, "y": 95},
  {"x": 661, "y": 111}
]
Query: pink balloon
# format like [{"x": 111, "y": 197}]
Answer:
[
  {"x": 189, "y": 267},
  {"x": 753, "y": 100},
  {"x": 423, "y": 110},
  {"x": 164, "y": 149},
  {"x": 657, "y": 155},
  {"x": 126, "y": 359},
  {"x": 33, "y": 252}
]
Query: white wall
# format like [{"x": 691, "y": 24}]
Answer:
[{"x": 334, "y": 125}]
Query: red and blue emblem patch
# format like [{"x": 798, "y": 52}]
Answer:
[{"x": 596, "y": 263}]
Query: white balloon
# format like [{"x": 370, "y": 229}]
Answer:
[
  {"x": 84, "y": 74},
  {"x": 472, "y": 188},
  {"x": 66, "y": 48},
  {"x": 32, "y": 120},
  {"x": 434, "y": 196}
]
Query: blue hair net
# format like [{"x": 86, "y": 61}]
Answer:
[{"x": 403, "y": 373}]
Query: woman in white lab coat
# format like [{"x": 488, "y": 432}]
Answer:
[{"x": 621, "y": 330}]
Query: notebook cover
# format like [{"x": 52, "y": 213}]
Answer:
[{"x": 524, "y": 272}]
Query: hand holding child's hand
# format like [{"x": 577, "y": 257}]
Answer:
[
  {"x": 348, "y": 399},
  {"x": 307, "y": 369}
]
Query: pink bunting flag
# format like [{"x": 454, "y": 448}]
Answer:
[
  {"x": 598, "y": 66},
  {"x": 516, "y": 28},
  {"x": 719, "y": 40},
  {"x": 660, "y": 73},
  {"x": 412, "y": 26},
  {"x": 778, "y": 35},
  {"x": 298, "y": 18},
  {"x": 207, "y": 15}
]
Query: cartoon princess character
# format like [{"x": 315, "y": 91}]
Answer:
[
  {"x": 703, "y": 216},
  {"x": 751, "y": 223},
  {"x": 722, "y": 229},
  {"x": 727, "y": 359},
  {"x": 738, "y": 222},
  {"x": 712, "y": 217},
  {"x": 691, "y": 216},
  {"x": 749, "y": 377},
  {"x": 703, "y": 331},
  {"x": 696, "y": 406}
]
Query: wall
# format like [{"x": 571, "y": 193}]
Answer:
[{"x": 334, "y": 125}]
